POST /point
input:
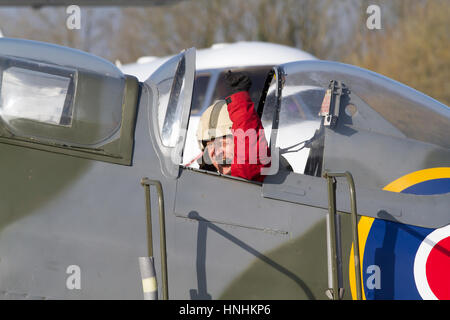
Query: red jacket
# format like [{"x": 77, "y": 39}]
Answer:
[{"x": 247, "y": 126}]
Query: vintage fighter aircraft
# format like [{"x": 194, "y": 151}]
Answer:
[{"x": 83, "y": 146}]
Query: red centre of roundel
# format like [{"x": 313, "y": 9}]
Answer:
[{"x": 438, "y": 269}]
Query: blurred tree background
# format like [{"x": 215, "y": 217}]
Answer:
[{"x": 411, "y": 47}]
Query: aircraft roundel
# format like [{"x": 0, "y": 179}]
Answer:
[
  {"x": 402, "y": 261},
  {"x": 432, "y": 265}
]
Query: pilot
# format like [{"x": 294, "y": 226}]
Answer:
[{"x": 231, "y": 135}]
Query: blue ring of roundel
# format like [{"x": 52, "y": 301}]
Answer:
[{"x": 392, "y": 247}]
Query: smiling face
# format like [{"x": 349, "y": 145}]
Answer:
[{"x": 221, "y": 153}]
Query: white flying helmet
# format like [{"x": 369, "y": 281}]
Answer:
[{"x": 215, "y": 122}]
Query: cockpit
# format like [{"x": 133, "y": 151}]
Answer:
[{"x": 376, "y": 121}]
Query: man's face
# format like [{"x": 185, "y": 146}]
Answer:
[{"x": 221, "y": 153}]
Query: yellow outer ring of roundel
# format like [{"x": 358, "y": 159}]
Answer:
[{"x": 365, "y": 223}]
